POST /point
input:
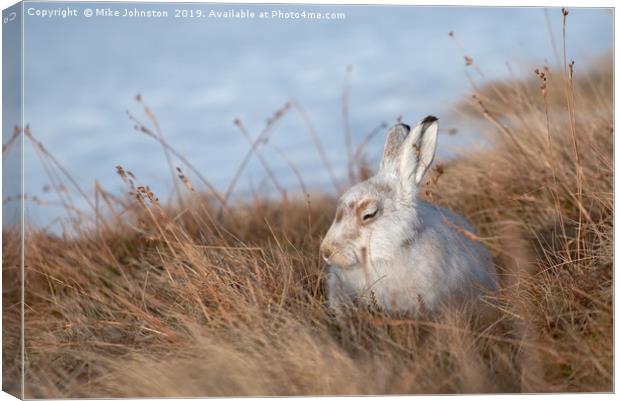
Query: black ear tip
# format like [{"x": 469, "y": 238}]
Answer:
[
  {"x": 429, "y": 119},
  {"x": 405, "y": 126}
]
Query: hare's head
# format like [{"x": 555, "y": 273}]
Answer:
[{"x": 379, "y": 214}]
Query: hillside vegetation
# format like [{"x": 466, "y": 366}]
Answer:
[{"x": 200, "y": 299}]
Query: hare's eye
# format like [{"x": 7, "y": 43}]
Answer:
[{"x": 370, "y": 215}]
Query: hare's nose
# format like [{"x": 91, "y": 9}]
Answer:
[{"x": 326, "y": 252}]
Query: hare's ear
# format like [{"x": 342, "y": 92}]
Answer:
[
  {"x": 416, "y": 155},
  {"x": 395, "y": 137}
]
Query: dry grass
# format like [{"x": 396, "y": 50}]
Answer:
[{"x": 202, "y": 298}]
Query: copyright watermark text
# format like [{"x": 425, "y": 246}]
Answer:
[{"x": 185, "y": 13}]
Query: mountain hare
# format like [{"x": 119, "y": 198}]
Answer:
[{"x": 386, "y": 248}]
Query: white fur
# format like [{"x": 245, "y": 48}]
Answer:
[{"x": 411, "y": 255}]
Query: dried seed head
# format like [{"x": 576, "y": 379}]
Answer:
[
  {"x": 543, "y": 78},
  {"x": 185, "y": 180},
  {"x": 120, "y": 171}
]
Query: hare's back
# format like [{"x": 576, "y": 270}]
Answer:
[{"x": 460, "y": 256}]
